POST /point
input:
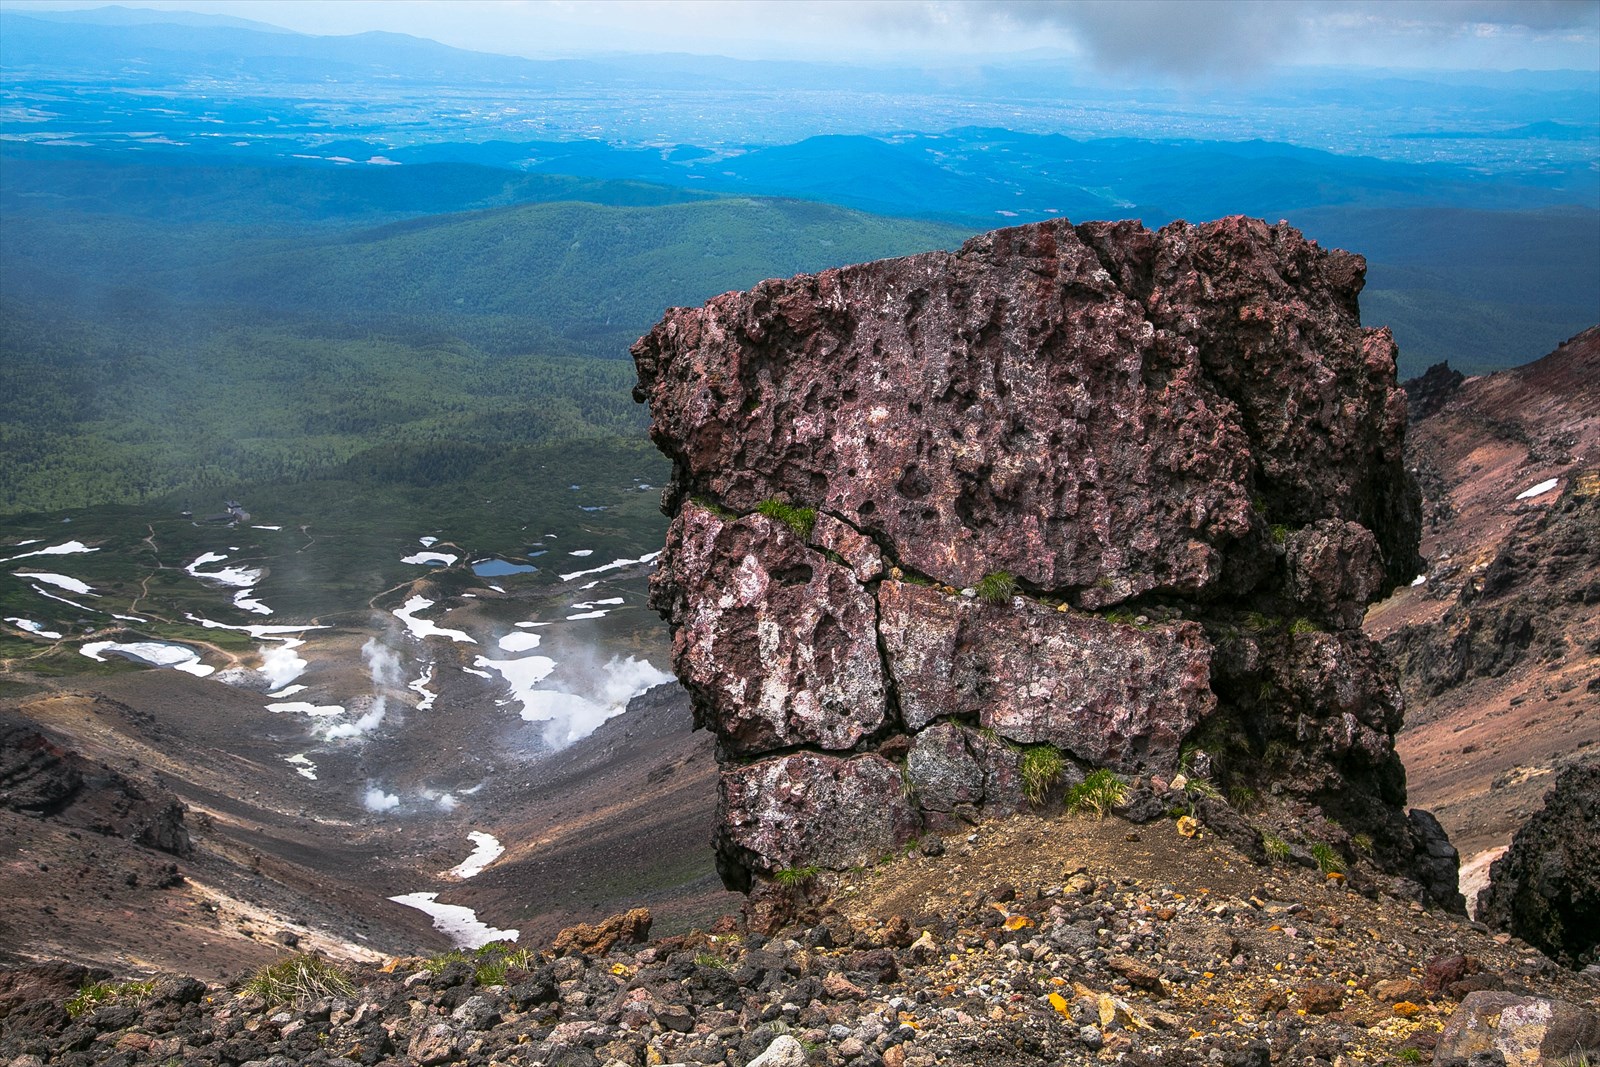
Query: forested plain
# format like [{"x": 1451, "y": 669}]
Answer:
[{"x": 272, "y": 335}]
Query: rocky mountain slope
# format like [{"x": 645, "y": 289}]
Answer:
[
  {"x": 1498, "y": 640},
  {"x": 1025, "y": 943}
]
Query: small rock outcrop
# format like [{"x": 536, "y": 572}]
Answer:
[
  {"x": 40, "y": 778},
  {"x": 1546, "y": 888},
  {"x": 1492, "y": 1027},
  {"x": 1119, "y": 492}
]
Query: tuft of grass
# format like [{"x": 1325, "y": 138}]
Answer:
[
  {"x": 1410, "y": 1055},
  {"x": 1041, "y": 768},
  {"x": 96, "y": 994},
  {"x": 1242, "y": 797},
  {"x": 299, "y": 978},
  {"x": 1362, "y": 842},
  {"x": 710, "y": 959},
  {"x": 1328, "y": 861},
  {"x": 794, "y": 877},
  {"x": 800, "y": 520},
  {"x": 494, "y": 960},
  {"x": 1303, "y": 625},
  {"x": 996, "y": 588},
  {"x": 1277, "y": 848},
  {"x": 1099, "y": 792},
  {"x": 1280, "y": 533}
]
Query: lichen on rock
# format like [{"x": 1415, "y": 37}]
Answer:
[{"x": 1179, "y": 447}]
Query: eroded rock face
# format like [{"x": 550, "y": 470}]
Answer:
[
  {"x": 1546, "y": 888},
  {"x": 1181, "y": 445}
]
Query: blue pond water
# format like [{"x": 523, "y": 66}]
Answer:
[{"x": 497, "y": 568}]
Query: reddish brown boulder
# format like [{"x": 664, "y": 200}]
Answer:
[
  {"x": 630, "y": 928},
  {"x": 807, "y": 810},
  {"x": 1180, "y": 449}
]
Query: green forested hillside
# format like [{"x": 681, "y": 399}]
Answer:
[{"x": 145, "y": 357}]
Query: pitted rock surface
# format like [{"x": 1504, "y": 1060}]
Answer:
[{"x": 1183, "y": 446}]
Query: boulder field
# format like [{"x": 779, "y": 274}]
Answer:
[{"x": 1092, "y": 491}]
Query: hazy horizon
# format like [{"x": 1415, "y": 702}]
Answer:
[{"x": 1156, "y": 42}]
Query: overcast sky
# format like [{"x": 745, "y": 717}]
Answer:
[{"x": 1186, "y": 40}]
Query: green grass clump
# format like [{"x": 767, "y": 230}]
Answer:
[
  {"x": 996, "y": 588},
  {"x": 1328, "y": 861},
  {"x": 1280, "y": 533},
  {"x": 296, "y": 979},
  {"x": 1041, "y": 769},
  {"x": 1410, "y": 1055},
  {"x": 1242, "y": 797},
  {"x": 492, "y": 961},
  {"x": 794, "y": 877},
  {"x": 1277, "y": 848},
  {"x": 96, "y": 994},
  {"x": 1303, "y": 626},
  {"x": 1099, "y": 792},
  {"x": 800, "y": 520},
  {"x": 1362, "y": 842}
]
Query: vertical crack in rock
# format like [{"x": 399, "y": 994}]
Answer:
[{"x": 1180, "y": 447}]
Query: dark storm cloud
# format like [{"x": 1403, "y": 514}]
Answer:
[{"x": 1195, "y": 38}]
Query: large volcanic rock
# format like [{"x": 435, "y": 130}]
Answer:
[
  {"x": 1181, "y": 446},
  {"x": 1546, "y": 888}
]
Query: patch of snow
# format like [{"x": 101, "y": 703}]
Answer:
[
  {"x": 581, "y": 553},
  {"x": 519, "y": 642},
  {"x": 1538, "y": 490},
  {"x": 459, "y": 924},
  {"x": 302, "y": 766},
  {"x": 266, "y": 527},
  {"x": 60, "y": 581},
  {"x": 480, "y": 674},
  {"x": 588, "y": 615},
  {"x": 178, "y": 657},
  {"x": 422, "y": 627},
  {"x": 34, "y": 628},
  {"x": 245, "y": 602},
  {"x": 609, "y": 602},
  {"x": 288, "y": 691},
  {"x": 1421, "y": 579},
  {"x": 46, "y": 593},
  {"x": 573, "y": 716},
  {"x": 238, "y": 577},
  {"x": 427, "y": 542},
  {"x": 617, "y": 564},
  {"x": 25, "y": 544},
  {"x": 520, "y": 674},
  {"x": 67, "y": 548},
  {"x": 420, "y": 685},
  {"x": 316, "y": 711},
  {"x": 258, "y": 631},
  {"x": 431, "y": 559},
  {"x": 128, "y": 618},
  {"x": 485, "y": 851}
]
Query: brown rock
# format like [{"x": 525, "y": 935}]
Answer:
[
  {"x": 1319, "y": 998},
  {"x": 630, "y": 928},
  {"x": 1112, "y": 694},
  {"x": 1394, "y": 990},
  {"x": 805, "y": 809},
  {"x": 1140, "y": 975},
  {"x": 1194, "y": 417},
  {"x": 1527, "y": 1031},
  {"x": 777, "y": 644}
]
